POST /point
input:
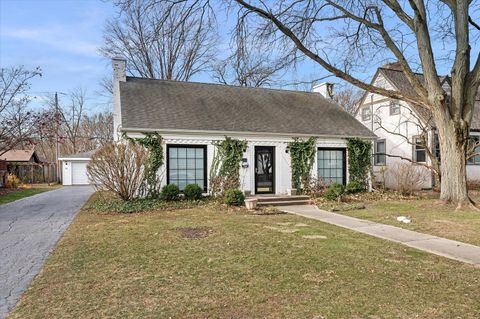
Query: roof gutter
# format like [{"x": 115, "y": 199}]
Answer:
[{"x": 211, "y": 132}]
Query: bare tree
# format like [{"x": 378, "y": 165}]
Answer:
[
  {"x": 161, "y": 40},
  {"x": 348, "y": 99},
  {"x": 252, "y": 63},
  {"x": 16, "y": 120},
  {"x": 71, "y": 114},
  {"x": 96, "y": 130},
  {"x": 360, "y": 33}
]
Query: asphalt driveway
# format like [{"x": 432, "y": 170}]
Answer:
[{"x": 29, "y": 230}]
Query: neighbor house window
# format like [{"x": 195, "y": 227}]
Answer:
[
  {"x": 394, "y": 107},
  {"x": 436, "y": 147},
  {"x": 331, "y": 165},
  {"x": 366, "y": 113},
  {"x": 475, "y": 160},
  {"x": 419, "y": 153},
  {"x": 187, "y": 165},
  {"x": 380, "y": 149}
]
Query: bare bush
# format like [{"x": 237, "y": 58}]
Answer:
[
  {"x": 408, "y": 177},
  {"x": 316, "y": 187},
  {"x": 119, "y": 168}
]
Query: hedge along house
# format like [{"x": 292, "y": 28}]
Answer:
[{"x": 190, "y": 117}]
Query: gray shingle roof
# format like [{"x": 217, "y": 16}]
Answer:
[
  {"x": 400, "y": 81},
  {"x": 163, "y": 105}
]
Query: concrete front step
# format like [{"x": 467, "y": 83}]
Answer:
[
  {"x": 284, "y": 203},
  {"x": 264, "y": 199}
]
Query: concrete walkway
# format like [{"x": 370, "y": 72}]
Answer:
[
  {"x": 29, "y": 230},
  {"x": 436, "y": 245}
]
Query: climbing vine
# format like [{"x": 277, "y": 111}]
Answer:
[
  {"x": 302, "y": 154},
  {"x": 225, "y": 169},
  {"x": 359, "y": 160},
  {"x": 153, "y": 143}
]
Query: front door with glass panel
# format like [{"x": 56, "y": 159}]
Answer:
[{"x": 264, "y": 170}]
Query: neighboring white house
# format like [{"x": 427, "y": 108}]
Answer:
[
  {"x": 191, "y": 116},
  {"x": 74, "y": 168},
  {"x": 398, "y": 124}
]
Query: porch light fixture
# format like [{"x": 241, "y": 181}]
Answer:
[
  {"x": 287, "y": 149},
  {"x": 244, "y": 163}
]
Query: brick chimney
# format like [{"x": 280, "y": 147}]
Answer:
[
  {"x": 325, "y": 89},
  {"x": 119, "y": 75}
]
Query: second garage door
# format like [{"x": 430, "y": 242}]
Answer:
[{"x": 79, "y": 173}]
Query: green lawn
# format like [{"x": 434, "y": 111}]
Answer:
[
  {"x": 428, "y": 216},
  {"x": 214, "y": 262},
  {"x": 22, "y": 193}
]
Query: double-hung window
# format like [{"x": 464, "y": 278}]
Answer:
[
  {"x": 366, "y": 113},
  {"x": 331, "y": 165},
  {"x": 380, "y": 156},
  {"x": 419, "y": 152},
  {"x": 187, "y": 165},
  {"x": 394, "y": 107}
]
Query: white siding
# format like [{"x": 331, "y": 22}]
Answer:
[
  {"x": 247, "y": 175},
  {"x": 406, "y": 124}
]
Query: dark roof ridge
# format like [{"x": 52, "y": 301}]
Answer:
[
  {"x": 416, "y": 73},
  {"x": 232, "y": 86}
]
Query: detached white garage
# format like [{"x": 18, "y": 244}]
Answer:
[{"x": 74, "y": 168}]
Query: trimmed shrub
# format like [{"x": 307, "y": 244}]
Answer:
[
  {"x": 193, "y": 192},
  {"x": 335, "y": 192},
  {"x": 354, "y": 187},
  {"x": 234, "y": 197},
  {"x": 170, "y": 192}
]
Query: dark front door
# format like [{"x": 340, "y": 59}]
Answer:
[{"x": 264, "y": 170}]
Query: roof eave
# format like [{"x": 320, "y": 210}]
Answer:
[{"x": 213, "y": 132}]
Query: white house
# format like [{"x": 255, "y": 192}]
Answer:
[
  {"x": 191, "y": 116},
  {"x": 399, "y": 124}
]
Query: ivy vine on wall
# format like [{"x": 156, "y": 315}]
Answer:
[
  {"x": 225, "y": 169},
  {"x": 302, "y": 154},
  {"x": 152, "y": 141},
  {"x": 359, "y": 160}
]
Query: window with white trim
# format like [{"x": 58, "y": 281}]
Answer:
[
  {"x": 366, "y": 113},
  {"x": 475, "y": 160},
  {"x": 419, "y": 152},
  {"x": 394, "y": 107},
  {"x": 380, "y": 150}
]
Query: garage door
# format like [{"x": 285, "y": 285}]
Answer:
[{"x": 79, "y": 173}]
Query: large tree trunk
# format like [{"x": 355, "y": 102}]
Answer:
[{"x": 453, "y": 146}]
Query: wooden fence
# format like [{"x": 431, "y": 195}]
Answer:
[{"x": 33, "y": 173}]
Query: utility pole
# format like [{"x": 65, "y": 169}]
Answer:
[{"x": 57, "y": 146}]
